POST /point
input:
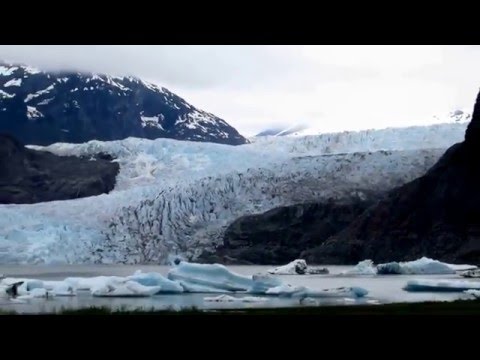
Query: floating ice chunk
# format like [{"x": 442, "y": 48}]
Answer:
[
  {"x": 365, "y": 267},
  {"x": 304, "y": 292},
  {"x": 228, "y": 298},
  {"x": 124, "y": 289},
  {"x": 421, "y": 266},
  {"x": 441, "y": 285},
  {"x": 471, "y": 274},
  {"x": 8, "y": 290},
  {"x": 463, "y": 267},
  {"x": 262, "y": 282},
  {"x": 474, "y": 293},
  {"x": 60, "y": 288},
  {"x": 36, "y": 293},
  {"x": 308, "y": 301},
  {"x": 93, "y": 282},
  {"x": 285, "y": 290},
  {"x": 41, "y": 293},
  {"x": 156, "y": 279},
  {"x": 209, "y": 276},
  {"x": 296, "y": 267},
  {"x": 315, "y": 270},
  {"x": 26, "y": 284},
  {"x": 196, "y": 288}
]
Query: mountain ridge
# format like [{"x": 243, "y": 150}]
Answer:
[{"x": 41, "y": 108}]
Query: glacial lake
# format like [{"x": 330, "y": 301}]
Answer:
[{"x": 382, "y": 289}]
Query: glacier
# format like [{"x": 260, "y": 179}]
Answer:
[
  {"x": 422, "y": 266},
  {"x": 178, "y": 197}
]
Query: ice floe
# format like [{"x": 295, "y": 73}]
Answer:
[
  {"x": 441, "y": 285},
  {"x": 422, "y": 266},
  {"x": 228, "y": 298},
  {"x": 297, "y": 267}
]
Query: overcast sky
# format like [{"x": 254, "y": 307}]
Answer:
[{"x": 331, "y": 88}]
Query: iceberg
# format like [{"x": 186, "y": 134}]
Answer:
[
  {"x": 441, "y": 285},
  {"x": 36, "y": 293},
  {"x": 217, "y": 278},
  {"x": 297, "y": 267},
  {"x": 423, "y": 266},
  {"x": 462, "y": 267},
  {"x": 156, "y": 279},
  {"x": 80, "y": 283},
  {"x": 304, "y": 292},
  {"x": 228, "y": 298},
  {"x": 316, "y": 270},
  {"x": 474, "y": 293},
  {"x": 471, "y": 273},
  {"x": 365, "y": 267},
  {"x": 124, "y": 289}
]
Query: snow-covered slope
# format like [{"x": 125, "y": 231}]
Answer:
[{"x": 176, "y": 197}]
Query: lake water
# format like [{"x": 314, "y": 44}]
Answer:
[{"x": 382, "y": 289}]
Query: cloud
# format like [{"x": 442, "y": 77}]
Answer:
[{"x": 253, "y": 87}]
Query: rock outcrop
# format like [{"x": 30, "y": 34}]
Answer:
[
  {"x": 29, "y": 176},
  {"x": 280, "y": 235}
]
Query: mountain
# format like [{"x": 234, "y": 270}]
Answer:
[
  {"x": 436, "y": 215},
  {"x": 29, "y": 176},
  {"x": 42, "y": 108}
]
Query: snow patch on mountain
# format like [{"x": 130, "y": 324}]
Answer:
[
  {"x": 13, "y": 82},
  {"x": 39, "y": 93},
  {"x": 33, "y": 113},
  {"x": 154, "y": 121},
  {"x": 4, "y": 94}
]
